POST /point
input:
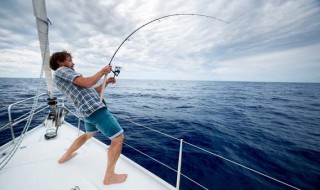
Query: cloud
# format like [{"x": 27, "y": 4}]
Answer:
[
  {"x": 18, "y": 63},
  {"x": 294, "y": 65},
  {"x": 261, "y": 43}
]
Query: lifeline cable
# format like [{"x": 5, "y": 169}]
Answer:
[
  {"x": 157, "y": 19},
  {"x": 207, "y": 151}
]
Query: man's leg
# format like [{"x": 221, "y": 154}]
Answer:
[
  {"x": 113, "y": 155},
  {"x": 75, "y": 146}
]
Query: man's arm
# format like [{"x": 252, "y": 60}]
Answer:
[{"x": 88, "y": 82}]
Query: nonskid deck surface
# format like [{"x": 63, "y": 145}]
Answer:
[{"x": 34, "y": 165}]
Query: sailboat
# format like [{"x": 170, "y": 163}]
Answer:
[{"x": 30, "y": 160}]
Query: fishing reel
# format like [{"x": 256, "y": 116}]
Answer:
[{"x": 116, "y": 70}]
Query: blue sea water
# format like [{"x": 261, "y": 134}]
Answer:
[{"x": 273, "y": 128}]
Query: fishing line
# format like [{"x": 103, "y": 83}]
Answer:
[{"x": 136, "y": 30}]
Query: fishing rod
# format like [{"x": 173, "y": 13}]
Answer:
[{"x": 116, "y": 72}]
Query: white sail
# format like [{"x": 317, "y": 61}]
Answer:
[{"x": 39, "y": 8}]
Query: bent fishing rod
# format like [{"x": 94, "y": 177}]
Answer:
[{"x": 117, "y": 69}]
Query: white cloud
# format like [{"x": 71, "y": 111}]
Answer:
[
  {"x": 20, "y": 63},
  {"x": 294, "y": 65},
  {"x": 262, "y": 43}
]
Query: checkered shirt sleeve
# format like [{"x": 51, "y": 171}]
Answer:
[{"x": 86, "y": 100}]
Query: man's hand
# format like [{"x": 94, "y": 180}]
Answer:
[
  {"x": 106, "y": 69},
  {"x": 111, "y": 80}
]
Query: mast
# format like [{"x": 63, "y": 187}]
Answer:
[{"x": 40, "y": 12}]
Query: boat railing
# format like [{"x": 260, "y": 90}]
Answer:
[
  {"x": 178, "y": 170},
  {"x": 15, "y": 121},
  {"x": 181, "y": 145}
]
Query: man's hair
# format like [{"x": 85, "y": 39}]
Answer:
[{"x": 58, "y": 57}]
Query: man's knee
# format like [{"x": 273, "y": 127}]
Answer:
[
  {"x": 118, "y": 139},
  {"x": 88, "y": 135}
]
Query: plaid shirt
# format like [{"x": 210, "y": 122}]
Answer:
[{"x": 86, "y": 100}]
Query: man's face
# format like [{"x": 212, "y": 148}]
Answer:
[{"x": 67, "y": 63}]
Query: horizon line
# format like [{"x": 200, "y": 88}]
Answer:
[{"x": 185, "y": 80}]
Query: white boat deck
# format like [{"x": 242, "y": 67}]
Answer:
[{"x": 34, "y": 165}]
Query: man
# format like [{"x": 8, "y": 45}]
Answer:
[{"x": 80, "y": 91}]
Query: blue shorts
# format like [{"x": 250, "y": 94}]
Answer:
[{"x": 103, "y": 121}]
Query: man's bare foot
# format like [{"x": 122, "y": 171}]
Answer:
[
  {"x": 116, "y": 178},
  {"x": 65, "y": 157}
]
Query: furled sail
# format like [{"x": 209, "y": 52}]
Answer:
[{"x": 39, "y": 8}]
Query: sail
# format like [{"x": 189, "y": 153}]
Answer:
[{"x": 39, "y": 8}]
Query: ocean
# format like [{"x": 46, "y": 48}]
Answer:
[{"x": 273, "y": 128}]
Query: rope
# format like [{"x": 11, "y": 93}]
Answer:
[{"x": 207, "y": 151}]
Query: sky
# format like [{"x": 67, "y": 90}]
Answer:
[{"x": 268, "y": 41}]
